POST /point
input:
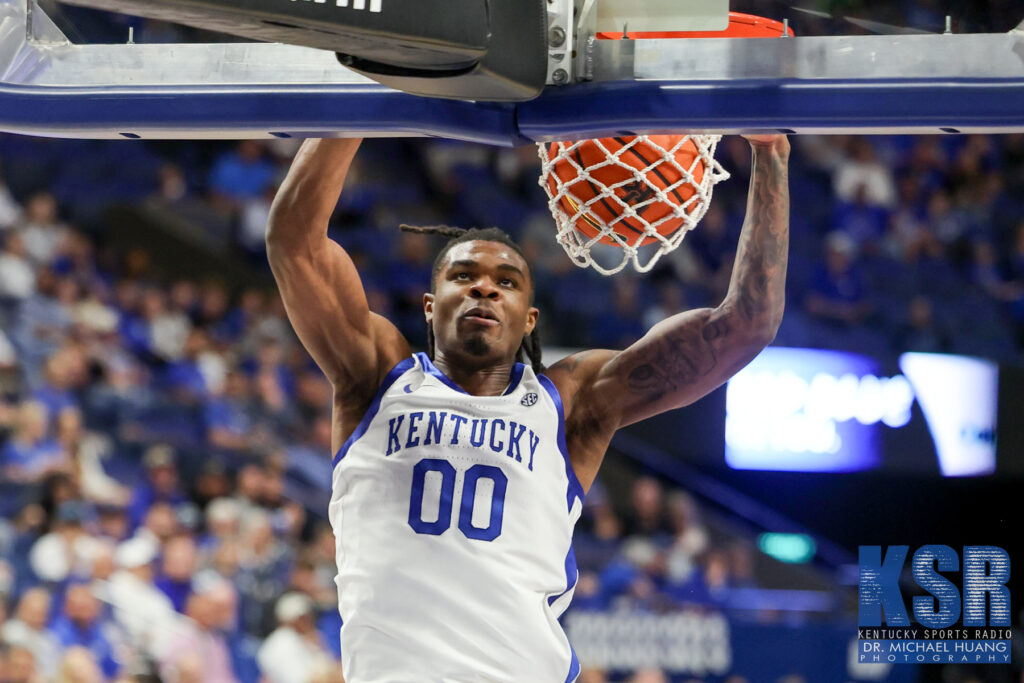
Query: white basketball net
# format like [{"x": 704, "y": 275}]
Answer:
[{"x": 578, "y": 244}]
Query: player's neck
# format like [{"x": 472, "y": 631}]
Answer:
[{"x": 489, "y": 379}]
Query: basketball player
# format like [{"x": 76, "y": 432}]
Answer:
[{"x": 460, "y": 473}]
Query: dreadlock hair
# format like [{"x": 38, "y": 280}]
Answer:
[{"x": 530, "y": 345}]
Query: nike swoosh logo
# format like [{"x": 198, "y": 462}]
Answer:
[{"x": 408, "y": 388}]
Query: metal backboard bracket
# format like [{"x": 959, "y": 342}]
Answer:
[{"x": 845, "y": 84}]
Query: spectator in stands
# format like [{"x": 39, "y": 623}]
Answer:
[
  {"x": 42, "y": 324},
  {"x": 303, "y": 577},
  {"x": 177, "y": 567},
  {"x": 313, "y": 395},
  {"x": 252, "y": 223},
  {"x": 294, "y": 652},
  {"x": 714, "y": 250},
  {"x": 210, "y": 610},
  {"x": 161, "y": 483},
  {"x": 184, "y": 298},
  {"x": 85, "y": 450},
  {"x": 742, "y": 572},
  {"x": 20, "y": 665},
  {"x": 264, "y": 569},
  {"x": 61, "y": 371},
  {"x": 212, "y": 482},
  {"x": 102, "y": 567},
  {"x": 10, "y": 210},
  {"x": 17, "y": 276},
  {"x": 166, "y": 328},
  {"x": 67, "y": 551},
  {"x": 945, "y": 221},
  {"x": 866, "y": 223},
  {"x": 647, "y": 514},
  {"x": 599, "y": 538},
  {"x": 30, "y": 455},
  {"x": 589, "y": 675},
  {"x": 619, "y": 325},
  {"x": 324, "y": 567},
  {"x": 113, "y": 522},
  {"x": 213, "y": 304},
  {"x": 184, "y": 377},
  {"x": 76, "y": 259},
  {"x": 239, "y": 319},
  {"x": 225, "y": 562},
  {"x": 309, "y": 460},
  {"x": 405, "y": 278},
  {"x": 249, "y": 488},
  {"x": 670, "y": 293},
  {"x": 240, "y": 174},
  {"x": 988, "y": 275},
  {"x": 160, "y": 523},
  {"x": 222, "y": 525},
  {"x": 28, "y": 630},
  {"x": 78, "y": 665},
  {"x": 717, "y": 576},
  {"x": 80, "y": 625},
  {"x": 837, "y": 294},
  {"x": 231, "y": 420},
  {"x": 921, "y": 330},
  {"x": 271, "y": 322},
  {"x": 862, "y": 174},
  {"x": 41, "y": 228},
  {"x": 590, "y": 594},
  {"x": 272, "y": 387},
  {"x": 908, "y": 235},
  {"x": 691, "y": 538},
  {"x": 141, "y": 609},
  {"x": 8, "y": 367}
]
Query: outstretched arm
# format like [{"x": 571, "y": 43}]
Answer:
[
  {"x": 688, "y": 355},
  {"x": 321, "y": 289}
]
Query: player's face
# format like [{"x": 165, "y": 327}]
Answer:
[{"x": 480, "y": 306}]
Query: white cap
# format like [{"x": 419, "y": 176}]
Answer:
[
  {"x": 223, "y": 510},
  {"x": 291, "y": 606},
  {"x": 135, "y": 552}
]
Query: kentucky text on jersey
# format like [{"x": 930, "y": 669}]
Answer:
[{"x": 423, "y": 428}]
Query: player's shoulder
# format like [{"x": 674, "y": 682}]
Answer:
[
  {"x": 580, "y": 365},
  {"x": 576, "y": 373}
]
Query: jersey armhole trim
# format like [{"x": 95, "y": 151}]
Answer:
[
  {"x": 575, "y": 488},
  {"x": 371, "y": 412}
]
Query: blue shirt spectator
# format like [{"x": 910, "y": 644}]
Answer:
[
  {"x": 837, "y": 290},
  {"x": 79, "y": 624},
  {"x": 161, "y": 484},
  {"x": 243, "y": 173},
  {"x": 30, "y": 454}
]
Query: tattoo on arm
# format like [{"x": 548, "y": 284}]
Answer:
[
  {"x": 693, "y": 348},
  {"x": 759, "y": 275},
  {"x": 575, "y": 361},
  {"x": 679, "y": 357}
]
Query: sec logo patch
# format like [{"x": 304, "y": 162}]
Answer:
[{"x": 529, "y": 399}]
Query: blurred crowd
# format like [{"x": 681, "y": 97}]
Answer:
[{"x": 898, "y": 243}]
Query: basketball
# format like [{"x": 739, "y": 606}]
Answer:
[{"x": 626, "y": 172}]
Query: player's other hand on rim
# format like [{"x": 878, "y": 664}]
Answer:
[{"x": 777, "y": 140}]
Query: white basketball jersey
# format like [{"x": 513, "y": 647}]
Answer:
[{"x": 453, "y": 517}]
